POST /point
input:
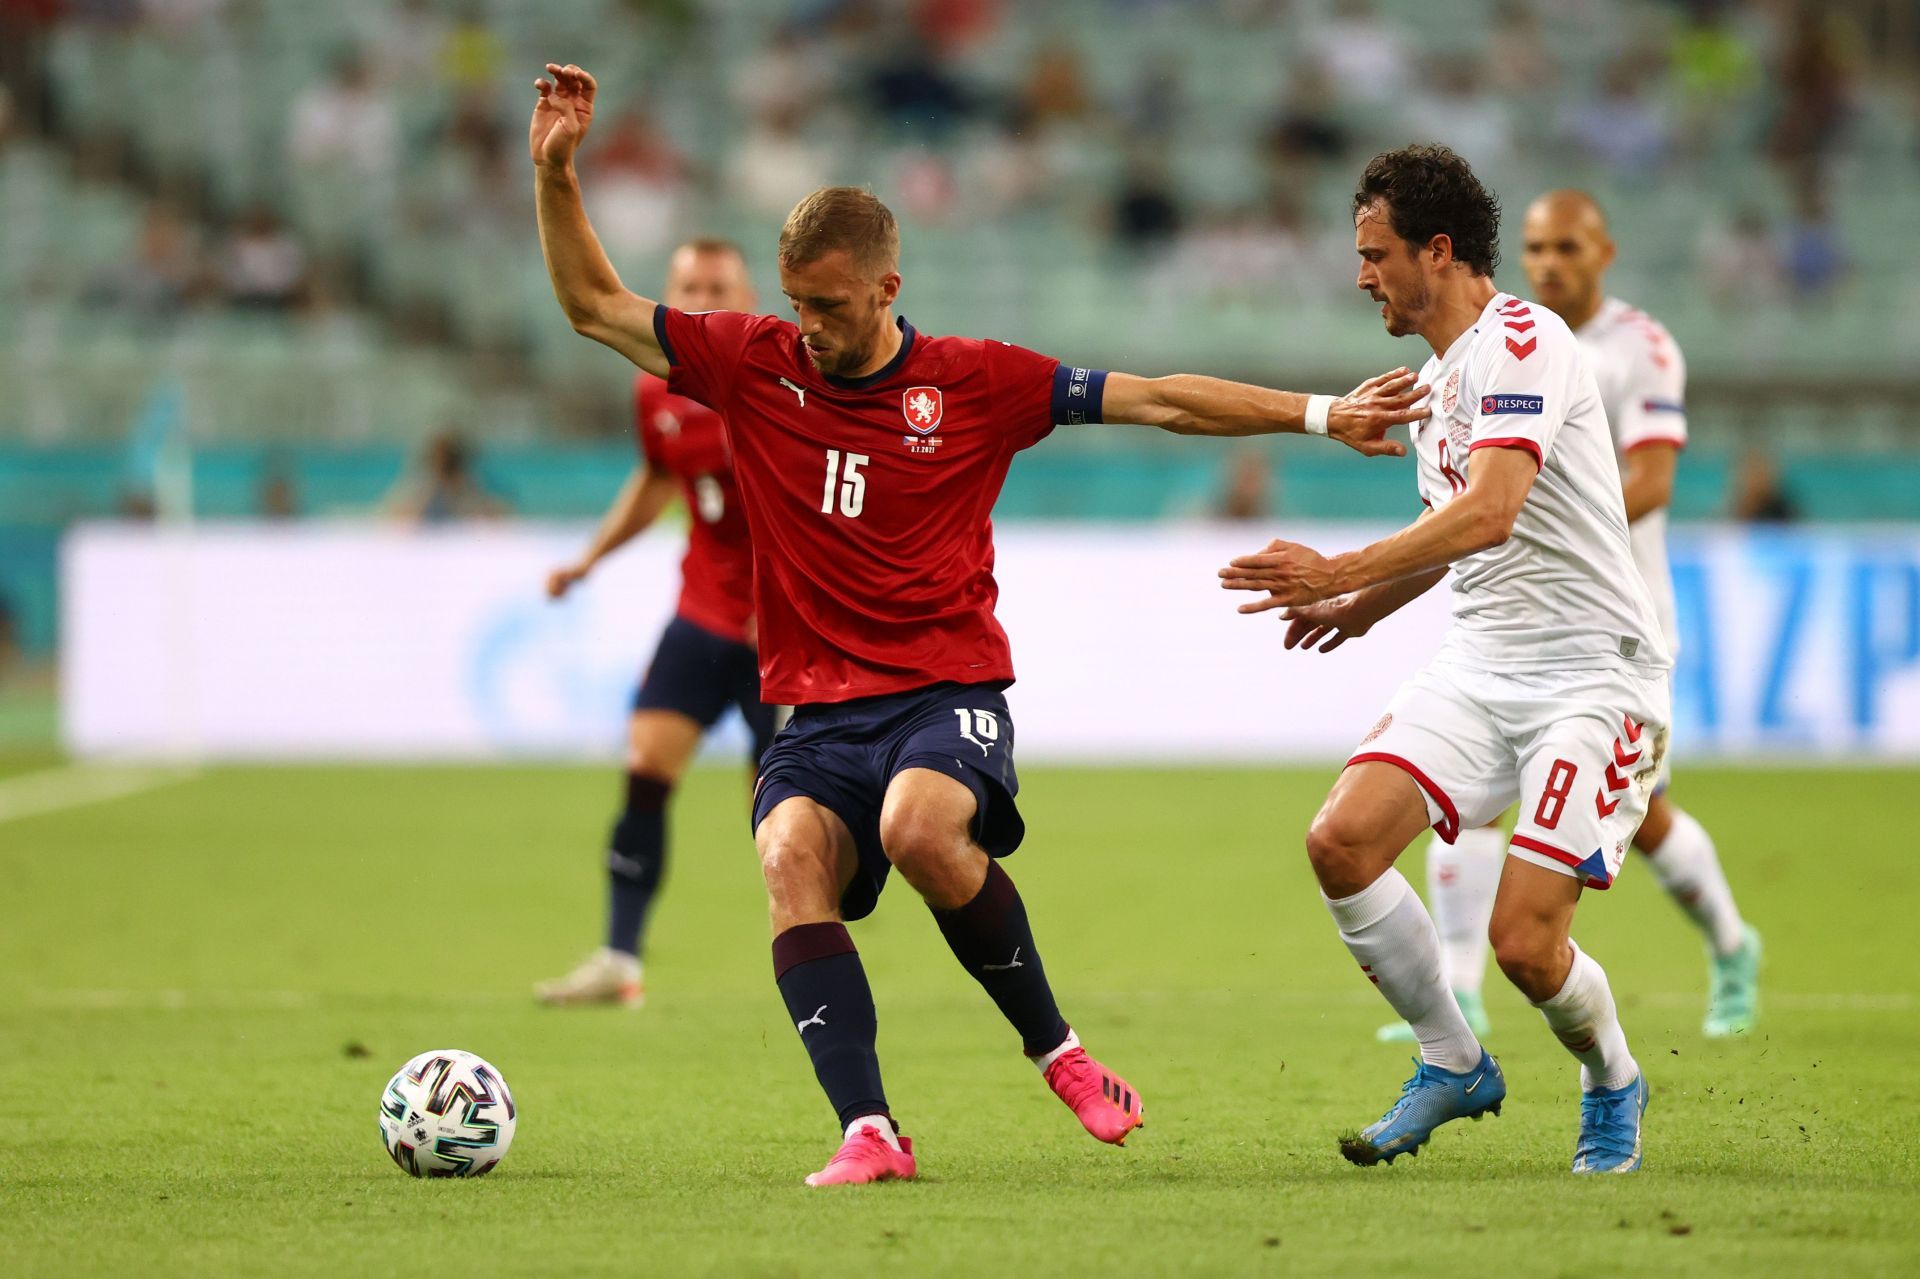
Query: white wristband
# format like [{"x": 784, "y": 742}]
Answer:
[{"x": 1318, "y": 406}]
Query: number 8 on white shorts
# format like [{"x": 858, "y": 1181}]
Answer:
[{"x": 1579, "y": 750}]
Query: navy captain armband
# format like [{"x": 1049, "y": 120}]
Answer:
[
  {"x": 1078, "y": 395},
  {"x": 660, "y": 331}
]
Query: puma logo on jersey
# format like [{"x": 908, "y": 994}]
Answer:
[
  {"x": 797, "y": 389},
  {"x": 815, "y": 1020}
]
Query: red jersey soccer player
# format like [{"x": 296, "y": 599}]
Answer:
[
  {"x": 868, "y": 457},
  {"x": 705, "y": 660}
]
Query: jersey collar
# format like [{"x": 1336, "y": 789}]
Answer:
[{"x": 882, "y": 373}]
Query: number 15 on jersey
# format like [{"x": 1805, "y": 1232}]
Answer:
[{"x": 845, "y": 481}]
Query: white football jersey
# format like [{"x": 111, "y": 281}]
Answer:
[
  {"x": 1643, "y": 385},
  {"x": 1562, "y": 592}
]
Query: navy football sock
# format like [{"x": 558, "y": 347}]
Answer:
[
  {"x": 827, "y": 996},
  {"x": 992, "y": 940},
  {"x": 636, "y": 859}
]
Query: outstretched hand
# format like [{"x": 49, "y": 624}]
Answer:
[
  {"x": 562, "y": 115},
  {"x": 1333, "y": 621},
  {"x": 561, "y": 580},
  {"x": 1361, "y": 418},
  {"x": 1291, "y": 575}
]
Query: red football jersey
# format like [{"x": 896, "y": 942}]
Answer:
[
  {"x": 870, "y": 499},
  {"x": 688, "y": 441}
]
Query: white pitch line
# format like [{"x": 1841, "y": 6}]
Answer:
[{"x": 52, "y": 790}]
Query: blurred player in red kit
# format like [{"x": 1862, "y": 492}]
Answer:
[
  {"x": 705, "y": 661},
  {"x": 868, "y": 457}
]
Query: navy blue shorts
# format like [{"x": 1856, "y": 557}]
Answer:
[
  {"x": 700, "y": 674},
  {"x": 843, "y": 756}
]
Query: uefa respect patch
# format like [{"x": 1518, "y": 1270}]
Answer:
[{"x": 1494, "y": 405}]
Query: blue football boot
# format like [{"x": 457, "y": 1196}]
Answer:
[
  {"x": 1610, "y": 1128},
  {"x": 1431, "y": 1098}
]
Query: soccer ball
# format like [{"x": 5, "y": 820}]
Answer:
[{"x": 447, "y": 1113}]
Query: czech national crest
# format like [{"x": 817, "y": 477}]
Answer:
[{"x": 922, "y": 407}]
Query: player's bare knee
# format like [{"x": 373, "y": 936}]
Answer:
[
  {"x": 1343, "y": 852},
  {"x": 1530, "y": 954},
  {"x": 920, "y": 844}
]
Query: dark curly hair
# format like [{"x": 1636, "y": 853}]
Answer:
[{"x": 1429, "y": 190}]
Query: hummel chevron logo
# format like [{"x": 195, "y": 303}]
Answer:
[
  {"x": 797, "y": 389},
  {"x": 1002, "y": 968},
  {"x": 815, "y": 1020}
]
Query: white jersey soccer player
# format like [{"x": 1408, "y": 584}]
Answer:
[
  {"x": 1641, "y": 374},
  {"x": 1643, "y": 385},
  {"x": 1547, "y": 625},
  {"x": 1550, "y": 687}
]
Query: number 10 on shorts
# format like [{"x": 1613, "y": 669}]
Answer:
[{"x": 982, "y": 728}]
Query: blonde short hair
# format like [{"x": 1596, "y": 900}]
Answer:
[{"x": 842, "y": 218}]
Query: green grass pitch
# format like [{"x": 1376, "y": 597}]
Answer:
[{"x": 203, "y": 988}]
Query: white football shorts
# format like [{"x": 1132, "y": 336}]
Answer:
[{"x": 1580, "y": 750}]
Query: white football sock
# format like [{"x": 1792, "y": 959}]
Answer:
[
  {"x": 1688, "y": 867},
  {"x": 880, "y": 1124},
  {"x": 1393, "y": 938},
  {"x": 1462, "y": 880},
  {"x": 1582, "y": 1017}
]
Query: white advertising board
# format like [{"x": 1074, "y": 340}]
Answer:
[{"x": 245, "y": 641}]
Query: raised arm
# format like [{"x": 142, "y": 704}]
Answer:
[
  {"x": 1188, "y": 404},
  {"x": 589, "y": 289}
]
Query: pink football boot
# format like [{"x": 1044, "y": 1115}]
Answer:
[
  {"x": 865, "y": 1156},
  {"x": 1106, "y": 1105}
]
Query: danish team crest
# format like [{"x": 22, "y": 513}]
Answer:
[
  {"x": 1450, "y": 394},
  {"x": 923, "y": 408}
]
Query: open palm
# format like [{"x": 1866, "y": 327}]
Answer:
[{"x": 562, "y": 114}]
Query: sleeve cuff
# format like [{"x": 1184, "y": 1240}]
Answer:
[
  {"x": 1676, "y": 442},
  {"x": 660, "y": 332},
  {"x": 1078, "y": 395},
  {"x": 1513, "y": 442}
]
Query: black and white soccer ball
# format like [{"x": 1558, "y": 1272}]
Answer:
[{"x": 447, "y": 1113}]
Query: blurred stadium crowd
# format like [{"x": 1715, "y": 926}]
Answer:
[{"x": 293, "y": 242}]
